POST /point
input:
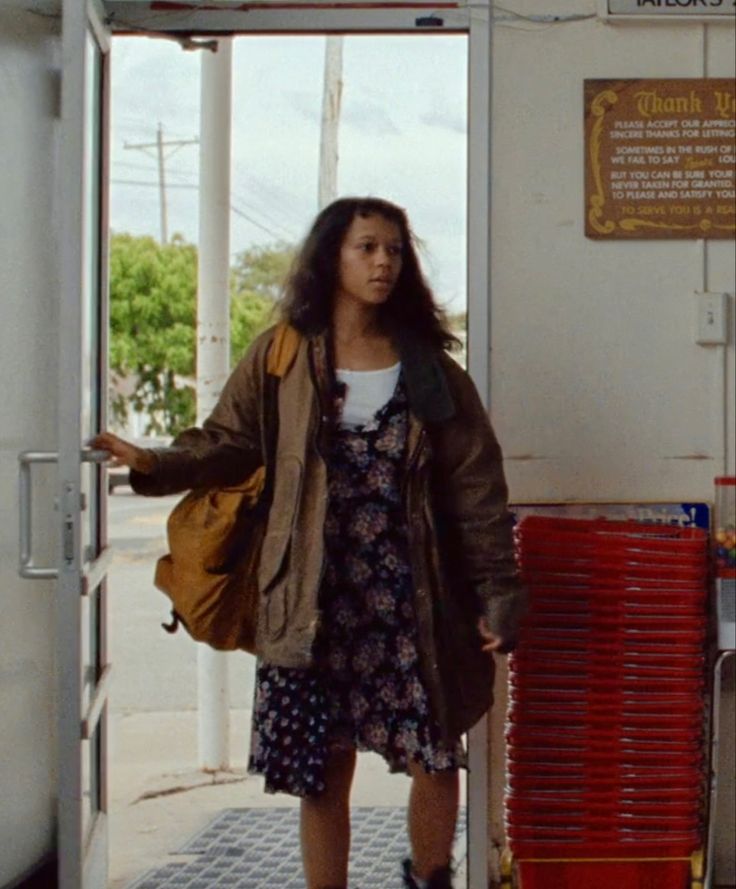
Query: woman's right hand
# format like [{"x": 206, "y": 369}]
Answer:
[{"x": 123, "y": 453}]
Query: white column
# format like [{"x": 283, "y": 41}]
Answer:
[
  {"x": 213, "y": 346},
  {"x": 331, "y": 96}
]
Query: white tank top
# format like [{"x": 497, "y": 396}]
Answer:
[{"x": 367, "y": 392}]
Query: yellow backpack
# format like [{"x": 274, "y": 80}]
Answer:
[{"x": 211, "y": 570}]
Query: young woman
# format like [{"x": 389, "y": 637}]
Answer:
[{"x": 387, "y": 573}]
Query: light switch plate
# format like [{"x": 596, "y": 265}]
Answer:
[{"x": 712, "y": 319}]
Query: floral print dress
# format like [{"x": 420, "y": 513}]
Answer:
[{"x": 364, "y": 690}]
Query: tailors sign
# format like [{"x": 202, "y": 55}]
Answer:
[{"x": 657, "y": 8}]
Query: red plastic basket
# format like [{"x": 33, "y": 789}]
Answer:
[
  {"x": 548, "y": 714},
  {"x": 594, "y": 663},
  {"x": 599, "y": 644},
  {"x": 596, "y": 805},
  {"x": 588, "y": 686},
  {"x": 661, "y": 535},
  {"x": 622, "y": 608},
  {"x": 540, "y": 568},
  {"x": 614, "y": 760},
  {"x": 664, "y": 874},
  {"x": 589, "y": 682},
  {"x": 547, "y": 787},
  {"x": 575, "y": 846},
  {"x": 624, "y": 545},
  {"x": 640, "y": 774},
  {"x": 560, "y": 842},
  {"x": 610, "y": 621},
  {"x": 599, "y": 825},
  {"x": 522, "y": 732},
  {"x": 691, "y": 640}
]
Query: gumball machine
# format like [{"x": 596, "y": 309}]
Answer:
[
  {"x": 725, "y": 525},
  {"x": 724, "y": 564},
  {"x": 724, "y": 560}
]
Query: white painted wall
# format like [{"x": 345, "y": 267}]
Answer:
[
  {"x": 599, "y": 391},
  {"x": 28, "y": 290}
]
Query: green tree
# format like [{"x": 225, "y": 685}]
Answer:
[
  {"x": 152, "y": 328},
  {"x": 256, "y": 280},
  {"x": 153, "y": 320}
]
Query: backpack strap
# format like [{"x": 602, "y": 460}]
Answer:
[{"x": 283, "y": 349}]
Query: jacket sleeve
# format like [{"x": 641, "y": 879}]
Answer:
[
  {"x": 472, "y": 496},
  {"x": 229, "y": 445}
]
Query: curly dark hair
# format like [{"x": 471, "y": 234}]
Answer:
[{"x": 310, "y": 287}]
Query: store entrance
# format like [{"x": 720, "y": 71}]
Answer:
[{"x": 402, "y": 136}]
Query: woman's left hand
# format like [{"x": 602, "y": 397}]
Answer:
[{"x": 491, "y": 642}]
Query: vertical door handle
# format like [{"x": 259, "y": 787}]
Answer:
[{"x": 26, "y": 568}]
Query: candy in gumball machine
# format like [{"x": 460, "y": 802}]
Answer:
[
  {"x": 724, "y": 570},
  {"x": 724, "y": 560}
]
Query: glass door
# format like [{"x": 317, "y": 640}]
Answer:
[{"x": 82, "y": 667}]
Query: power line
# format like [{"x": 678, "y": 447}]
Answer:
[
  {"x": 270, "y": 231},
  {"x": 181, "y": 176},
  {"x": 159, "y": 147},
  {"x": 192, "y": 187},
  {"x": 236, "y": 209},
  {"x": 287, "y": 232}
]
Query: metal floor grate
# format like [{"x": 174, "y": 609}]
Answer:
[{"x": 259, "y": 849}]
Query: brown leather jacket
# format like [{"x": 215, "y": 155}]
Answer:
[{"x": 456, "y": 500}]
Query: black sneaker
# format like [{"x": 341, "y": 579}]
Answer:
[{"x": 439, "y": 879}]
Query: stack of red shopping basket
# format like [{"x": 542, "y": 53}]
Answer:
[{"x": 605, "y": 728}]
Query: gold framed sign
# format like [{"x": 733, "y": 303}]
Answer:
[{"x": 660, "y": 158}]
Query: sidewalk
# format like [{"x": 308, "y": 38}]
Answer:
[{"x": 159, "y": 800}]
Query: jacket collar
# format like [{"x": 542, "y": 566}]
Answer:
[{"x": 426, "y": 382}]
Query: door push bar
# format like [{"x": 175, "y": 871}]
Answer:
[{"x": 26, "y": 568}]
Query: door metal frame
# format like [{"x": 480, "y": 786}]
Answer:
[
  {"x": 479, "y": 367},
  {"x": 196, "y": 22},
  {"x": 192, "y": 19},
  {"x": 83, "y": 859}
]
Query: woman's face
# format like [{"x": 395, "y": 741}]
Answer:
[{"x": 369, "y": 262}]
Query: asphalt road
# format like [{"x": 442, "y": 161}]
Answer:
[{"x": 152, "y": 670}]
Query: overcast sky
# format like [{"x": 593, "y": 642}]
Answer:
[{"x": 402, "y": 136}]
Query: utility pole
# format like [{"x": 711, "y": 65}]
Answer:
[
  {"x": 331, "y": 98},
  {"x": 159, "y": 146},
  {"x": 162, "y": 185}
]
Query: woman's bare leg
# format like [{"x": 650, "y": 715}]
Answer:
[
  {"x": 433, "y": 805},
  {"x": 325, "y": 826}
]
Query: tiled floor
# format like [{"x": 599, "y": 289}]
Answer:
[{"x": 259, "y": 849}]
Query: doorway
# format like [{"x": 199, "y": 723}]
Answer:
[
  {"x": 438, "y": 117},
  {"x": 398, "y": 138}
]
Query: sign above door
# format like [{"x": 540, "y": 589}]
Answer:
[{"x": 667, "y": 9}]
